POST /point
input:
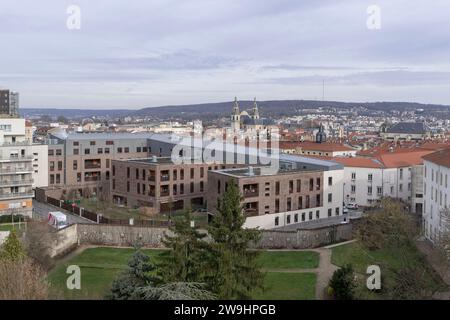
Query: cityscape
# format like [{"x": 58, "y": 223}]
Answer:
[{"x": 291, "y": 195}]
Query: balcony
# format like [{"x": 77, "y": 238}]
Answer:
[
  {"x": 21, "y": 211},
  {"x": 15, "y": 170},
  {"x": 16, "y": 195},
  {"x": 251, "y": 212},
  {"x": 16, "y": 182},
  {"x": 18, "y": 158},
  {"x": 92, "y": 164},
  {"x": 251, "y": 190}
]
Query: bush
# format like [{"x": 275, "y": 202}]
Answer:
[{"x": 342, "y": 284}]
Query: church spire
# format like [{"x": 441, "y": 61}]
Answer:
[
  {"x": 236, "y": 107},
  {"x": 255, "y": 111}
]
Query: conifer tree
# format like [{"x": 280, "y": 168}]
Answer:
[
  {"x": 233, "y": 271},
  {"x": 185, "y": 260},
  {"x": 12, "y": 248}
]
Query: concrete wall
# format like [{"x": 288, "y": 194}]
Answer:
[
  {"x": 127, "y": 236},
  {"x": 113, "y": 235},
  {"x": 304, "y": 239},
  {"x": 66, "y": 240}
]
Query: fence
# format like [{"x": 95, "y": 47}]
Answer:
[{"x": 98, "y": 218}]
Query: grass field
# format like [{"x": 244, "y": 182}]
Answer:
[
  {"x": 387, "y": 259},
  {"x": 99, "y": 266},
  {"x": 10, "y": 226},
  {"x": 289, "y": 259}
]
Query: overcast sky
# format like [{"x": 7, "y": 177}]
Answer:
[{"x": 134, "y": 53}]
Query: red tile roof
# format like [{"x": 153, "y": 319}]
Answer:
[
  {"x": 307, "y": 145},
  {"x": 441, "y": 157}
]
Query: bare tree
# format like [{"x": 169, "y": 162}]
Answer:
[
  {"x": 22, "y": 280},
  {"x": 38, "y": 241}
]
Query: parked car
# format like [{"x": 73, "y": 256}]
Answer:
[{"x": 352, "y": 206}]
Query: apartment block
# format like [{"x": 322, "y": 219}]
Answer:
[
  {"x": 9, "y": 103},
  {"x": 160, "y": 184},
  {"x": 16, "y": 170},
  {"x": 301, "y": 190},
  {"x": 436, "y": 183},
  {"x": 81, "y": 162}
]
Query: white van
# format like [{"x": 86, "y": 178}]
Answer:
[{"x": 57, "y": 219}]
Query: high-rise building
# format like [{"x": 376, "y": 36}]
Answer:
[{"x": 9, "y": 103}]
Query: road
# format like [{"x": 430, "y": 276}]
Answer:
[{"x": 41, "y": 210}]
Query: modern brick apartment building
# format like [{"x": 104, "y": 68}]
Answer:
[
  {"x": 293, "y": 195},
  {"x": 82, "y": 161},
  {"x": 160, "y": 184}
]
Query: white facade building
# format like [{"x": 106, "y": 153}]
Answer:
[{"x": 437, "y": 193}]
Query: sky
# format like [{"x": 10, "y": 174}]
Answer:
[{"x": 134, "y": 54}]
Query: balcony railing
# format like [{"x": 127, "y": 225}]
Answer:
[
  {"x": 91, "y": 178},
  {"x": 165, "y": 177},
  {"x": 17, "y": 159},
  {"x": 22, "y": 211},
  {"x": 15, "y": 170},
  {"x": 251, "y": 193},
  {"x": 164, "y": 193},
  {"x": 251, "y": 212},
  {"x": 15, "y": 182},
  {"x": 15, "y": 195},
  {"x": 92, "y": 166}
]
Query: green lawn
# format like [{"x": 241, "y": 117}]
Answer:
[
  {"x": 289, "y": 259},
  {"x": 99, "y": 266},
  {"x": 9, "y": 227},
  {"x": 288, "y": 286},
  {"x": 387, "y": 259}
]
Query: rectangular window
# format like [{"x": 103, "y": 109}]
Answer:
[
  {"x": 330, "y": 197},
  {"x": 107, "y": 150},
  {"x": 76, "y": 151},
  {"x": 87, "y": 151},
  {"x": 51, "y": 152},
  {"x": 330, "y": 181},
  {"x": 299, "y": 185},
  {"x": 75, "y": 165},
  {"x": 100, "y": 150}
]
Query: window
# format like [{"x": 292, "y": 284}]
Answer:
[
  {"x": 379, "y": 191},
  {"x": 52, "y": 179},
  {"x": 353, "y": 189},
  {"x": 127, "y": 150},
  {"x": 318, "y": 184},
  {"x": 277, "y": 221},
  {"x": 299, "y": 185},
  {"x": 318, "y": 200},
  {"x": 303, "y": 216},
  {"x": 175, "y": 174},
  {"x": 369, "y": 190},
  {"x": 52, "y": 166},
  {"x": 337, "y": 211},
  {"x": 87, "y": 151},
  {"x": 330, "y": 197},
  {"x": 51, "y": 152},
  {"x": 277, "y": 205},
  {"x": 59, "y": 165},
  {"x": 128, "y": 186},
  {"x": 181, "y": 174},
  {"x": 192, "y": 187},
  {"x": 192, "y": 173},
  {"x": 114, "y": 170},
  {"x": 330, "y": 181},
  {"x": 79, "y": 177},
  {"x": 317, "y": 214},
  {"x": 353, "y": 175},
  {"x": 76, "y": 151},
  {"x": 330, "y": 212},
  {"x": 300, "y": 202},
  {"x": 119, "y": 150},
  {"x": 401, "y": 174},
  {"x": 109, "y": 143},
  {"x": 296, "y": 218},
  {"x": 100, "y": 150},
  {"x": 288, "y": 204},
  {"x": 138, "y": 149},
  {"x": 310, "y": 215},
  {"x": 75, "y": 165},
  {"x": 202, "y": 186},
  {"x": 202, "y": 172},
  {"x": 288, "y": 219},
  {"x": 76, "y": 143},
  {"x": 58, "y": 178},
  {"x": 291, "y": 186},
  {"x": 128, "y": 172},
  {"x": 92, "y": 143},
  {"x": 311, "y": 184},
  {"x": 58, "y": 152},
  {"x": 400, "y": 187},
  {"x": 107, "y": 150},
  {"x": 277, "y": 188},
  {"x": 107, "y": 163},
  {"x": 137, "y": 173}
]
